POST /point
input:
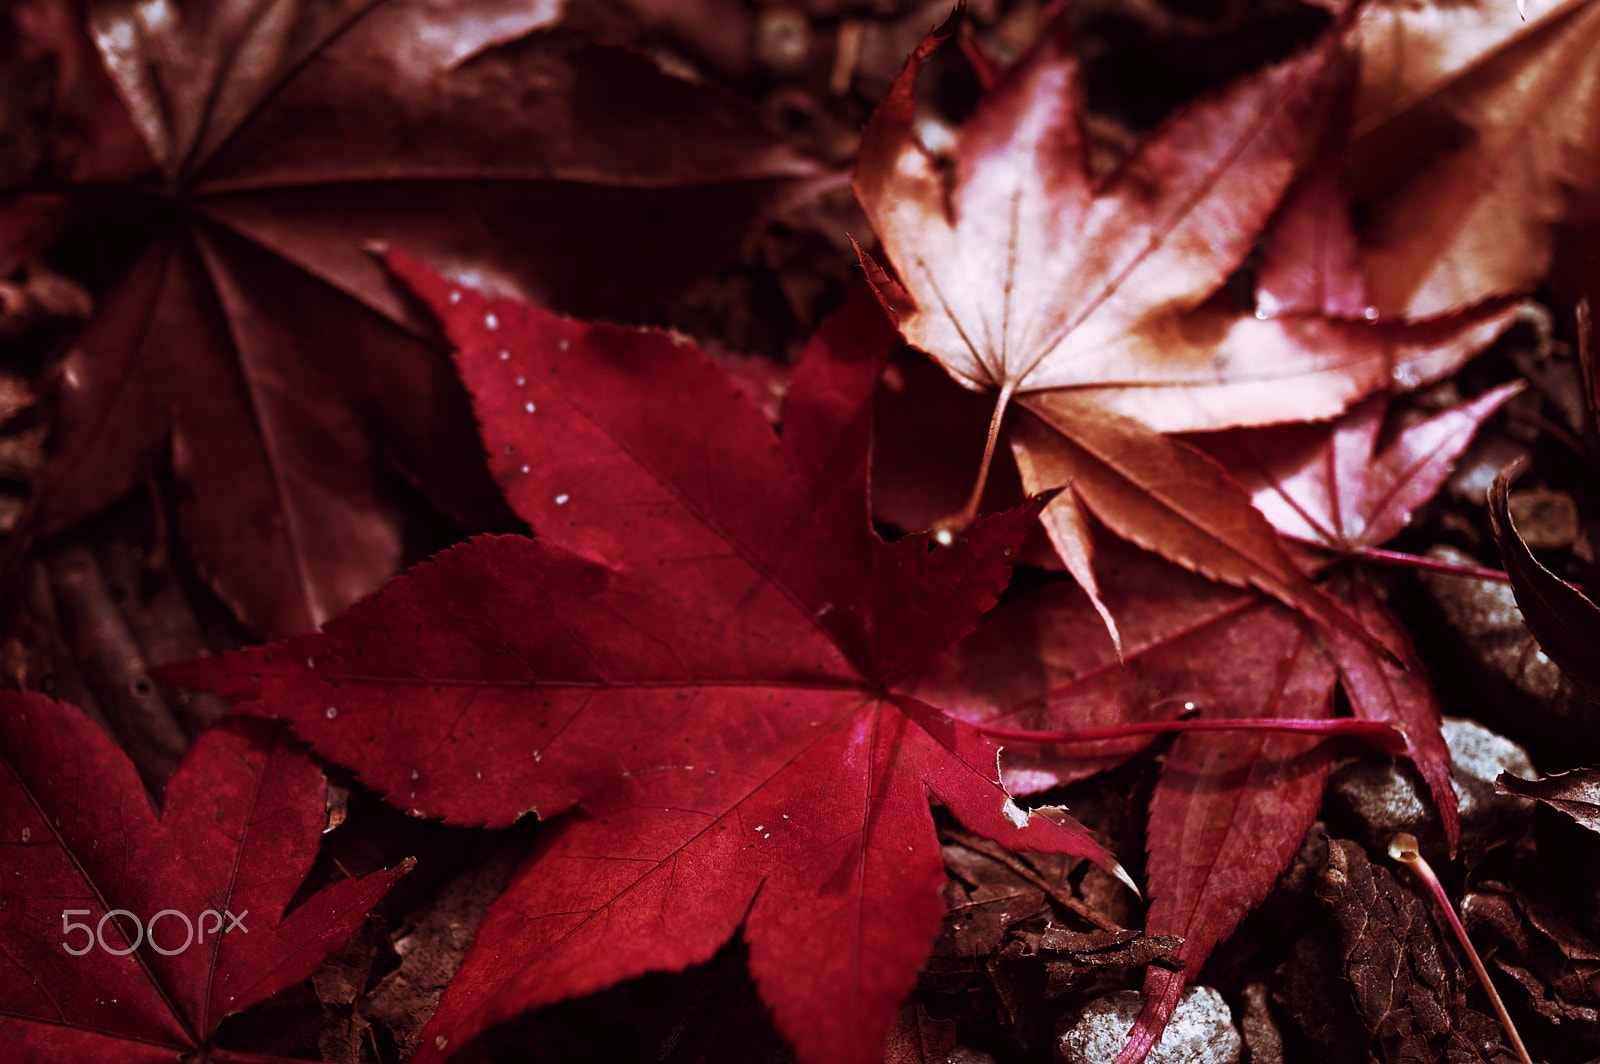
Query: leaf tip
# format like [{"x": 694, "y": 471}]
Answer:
[{"x": 1121, "y": 873}]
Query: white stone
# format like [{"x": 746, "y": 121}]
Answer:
[
  {"x": 1201, "y": 1031},
  {"x": 1390, "y": 796}
]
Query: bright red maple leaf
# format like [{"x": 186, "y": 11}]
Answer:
[
  {"x": 1229, "y": 811},
  {"x": 253, "y": 342},
  {"x": 240, "y": 827},
  {"x": 702, "y": 653}
]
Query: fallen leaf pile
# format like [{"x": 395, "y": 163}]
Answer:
[{"x": 720, "y": 676}]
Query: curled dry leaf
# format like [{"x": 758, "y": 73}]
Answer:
[
  {"x": 1561, "y": 617},
  {"x": 100, "y": 892},
  {"x": 254, "y": 340},
  {"x": 704, "y": 652},
  {"x": 1575, "y": 793},
  {"x": 1096, "y": 303},
  {"x": 1554, "y": 960}
]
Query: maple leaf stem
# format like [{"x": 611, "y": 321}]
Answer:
[
  {"x": 1418, "y": 562},
  {"x": 963, "y": 518},
  {"x": 1433, "y": 565},
  {"x": 1403, "y": 848},
  {"x": 1388, "y": 737}
]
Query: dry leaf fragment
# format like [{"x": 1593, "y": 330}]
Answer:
[
  {"x": 1561, "y": 617},
  {"x": 1575, "y": 793},
  {"x": 1407, "y": 985},
  {"x": 1554, "y": 960}
]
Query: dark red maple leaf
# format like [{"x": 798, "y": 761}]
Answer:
[
  {"x": 252, "y": 341},
  {"x": 702, "y": 653},
  {"x": 128, "y": 937}
]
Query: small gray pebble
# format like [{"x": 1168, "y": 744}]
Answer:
[
  {"x": 1389, "y": 796},
  {"x": 1201, "y": 1031},
  {"x": 1498, "y": 659},
  {"x": 969, "y": 1055}
]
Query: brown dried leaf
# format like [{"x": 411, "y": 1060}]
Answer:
[
  {"x": 1408, "y": 986},
  {"x": 1560, "y": 616},
  {"x": 1575, "y": 793},
  {"x": 1557, "y": 965},
  {"x": 431, "y": 948},
  {"x": 1108, "y": 947},
  {"x": 917, "y": 1038}
]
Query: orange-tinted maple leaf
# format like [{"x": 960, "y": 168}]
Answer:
[
  {"x": 1096, "y": 301},
  {"x": 1473, "y": 140}
]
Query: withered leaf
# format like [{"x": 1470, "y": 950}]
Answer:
[
  {"x": 917, "y": 1038},
  {"x": 1561, "y": 617},
  {"x": 1406, "y": 981},
  {"x": 1556, "y": 963},
  {"x": 1575, "y": 793},
  {"x": 1108, "y": 947}
]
